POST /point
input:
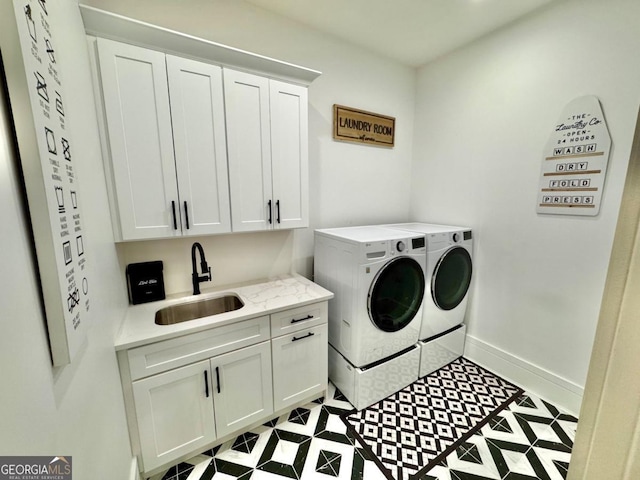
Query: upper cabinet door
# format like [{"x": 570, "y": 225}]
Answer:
[
  {"x": 249, "y": 151},
  {"x": 197, "y": 115},
  {"x": 289, "y": 154},
  {"x": 136, "y": 101}
]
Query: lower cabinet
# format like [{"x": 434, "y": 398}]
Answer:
[
  {"x": 299, "y": 365},
  {"x": 174, "y": 413},
  {"x": 185, "y": 410},
  {"x": 242, "y": 388}
]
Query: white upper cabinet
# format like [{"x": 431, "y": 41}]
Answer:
[
  {"x": 267, "y": 135},
  {"x": 196, "y": 149},
  {"x": 197, "y": 116},
  {"x": 138, "y": 118},
  {"x": 165, "y": 122},
  {"x": 249, "y": 150},
  {"x": 289, "y": 154}
]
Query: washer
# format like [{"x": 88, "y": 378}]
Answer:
[
  {"x": 377, "y": 277},
  {"x": 448, "y": 277}
]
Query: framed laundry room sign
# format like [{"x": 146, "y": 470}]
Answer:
[
  {"x": 574, "y": 163},
  {"x": 360, "y": 126}
]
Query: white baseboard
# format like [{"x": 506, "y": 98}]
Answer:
[
  {"x": 557, "y": 390},
  {"x": 134, "y": 474}
]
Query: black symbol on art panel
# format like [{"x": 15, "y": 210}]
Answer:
[
  {"x": 50, "y": 51},
  {"x": 66, "y": 250},
  {"x": 44, "y": 6},
  {"x": 51, "y": 141},
  {"x": 41, "y": 87},
  {"x": 80, "y": 245},
  {"x": 59, "y": 198},
  {"x": 73, "y": 300},
  {"x": 30, "y": 23},
  {"x": 85, "y": 285},
  {"x": 74, "y": 199},
  {"x": 66, "y": 149},
  {"x": 59, "y": 105}
]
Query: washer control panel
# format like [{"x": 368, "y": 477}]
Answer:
[{"x": 409, "y": 245}]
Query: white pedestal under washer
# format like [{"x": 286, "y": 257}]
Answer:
[{"x": 377, "y": 277}]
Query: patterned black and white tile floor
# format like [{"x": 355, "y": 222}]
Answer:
[
  {"x": 414, "y": 429},
  {"x": 530, "y": 439}
]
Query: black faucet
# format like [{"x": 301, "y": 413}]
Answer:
[{"x": 206, "y": 270}]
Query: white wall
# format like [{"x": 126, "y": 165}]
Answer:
[
  {"x": 349, "y": 184},
  {"x": 484, "y": 114},
  {"x": 76, "y": 410}
]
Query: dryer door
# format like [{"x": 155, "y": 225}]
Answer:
[
  {"x": 396, "y": 294},
  {"x": 451, "y": 278}
]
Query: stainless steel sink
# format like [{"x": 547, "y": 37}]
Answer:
[{"x": 184, "y": 312}]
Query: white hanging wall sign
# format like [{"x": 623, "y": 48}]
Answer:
[
  {"x": 56, "y": 215},
  {"x": 575, "y": 161}
]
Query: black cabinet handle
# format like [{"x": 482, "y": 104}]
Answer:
[
  {"x": 310, "y": 334},
  {"x": 296, "y": 320},
  {"x": 278, "y": 210},
  {"x": 206, "y": 383},
  {"x": 269, "y": 207},
  {"x": 186, "y": 214},
  {"x": 218, "y": 378},
  {"x": 173, "y": 210}
]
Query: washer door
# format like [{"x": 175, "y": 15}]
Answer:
[
  {"x": 396, "y": 294},
  {"x": 451, "y": 278}
]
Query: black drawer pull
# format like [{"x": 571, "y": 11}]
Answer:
[
  {"x": 270, "y": 211},
  {"x": 296, "y": 320},
  {"x": 310, "y": 334},
  {"x": 206, "y": 383},
  {"x": 186, "y": 214},
  {"x": 218, "y": 378}
]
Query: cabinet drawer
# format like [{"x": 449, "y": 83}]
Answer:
[
  {"x": 297, "y": 319},
  {"x": 162, "y": 356}
]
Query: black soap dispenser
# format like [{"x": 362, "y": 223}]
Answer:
[{"x": 145, "y": 282}]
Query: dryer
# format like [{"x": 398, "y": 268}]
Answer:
[
  {"x": 378, "y": 277},
  {"x": 448, "y": 278}
]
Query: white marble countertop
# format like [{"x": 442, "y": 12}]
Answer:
[{"x": 260, "y": 297}]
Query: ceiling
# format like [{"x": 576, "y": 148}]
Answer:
[{"x": 413, "y": 32}]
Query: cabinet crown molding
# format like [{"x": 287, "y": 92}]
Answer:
[{"x": 102, "y": 23}]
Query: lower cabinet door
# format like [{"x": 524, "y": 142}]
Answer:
[
  {"x": 175, "y": 413},
  {"x": 242, "y": 388},
  {"x": 299, "y": 365}
]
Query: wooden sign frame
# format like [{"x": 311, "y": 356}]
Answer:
[
  {"x": 575, "y": 158},
  {"x": 360, "y": 126}
]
